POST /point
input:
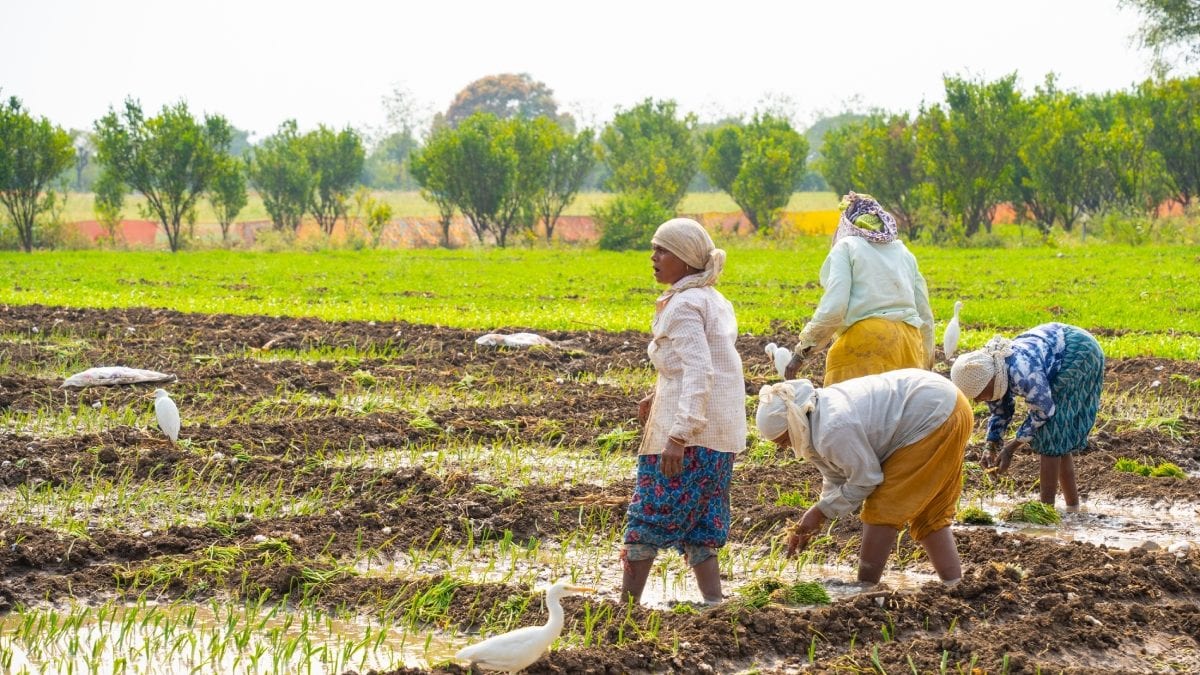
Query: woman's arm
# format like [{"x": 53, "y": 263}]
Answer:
[{"x": 837, "y": 279}]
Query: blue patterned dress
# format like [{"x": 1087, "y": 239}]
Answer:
[{"x": 1059, "y": 370}]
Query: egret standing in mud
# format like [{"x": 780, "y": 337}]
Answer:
[
  {"x": 167, "y": 413},
  {"x": 518, "y": 649},
  {"x": 950, "y": 337}
]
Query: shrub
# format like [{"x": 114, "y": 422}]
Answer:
[{"x": 629, "y": 221}]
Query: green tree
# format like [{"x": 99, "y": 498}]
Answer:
[
  {"x": 505, "y": 95},
  {"x": 32, "y": 153},
  {"x": 1059, "y": 169},
  {"x": 651, "y": 152},
  {"x": 335, "y": 162},
  {"x": 1132, "y": 176},
  {"x": 968, "y": 148},
  {"x": 483, "y": 173},
  {"x": 432, "y": 167},
  {"x": 227, "y": 193},
  {"x": 107, "y": 205},
  {"x": 759, "y": 165},
  {"x": 1169, "y": 23},
  {"x": 568, "y": 161},
  {"x": 1174, "y": 133},
  {"x": 877, "y": 155},
  {"x": 279, "y": 170},
  {"x": 170, "y": 159}
]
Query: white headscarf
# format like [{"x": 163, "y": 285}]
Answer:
[
  {"x": 689, "y": 241},
  {"x": 972, "y": 371},
  {"x": 785, "y": 407}
]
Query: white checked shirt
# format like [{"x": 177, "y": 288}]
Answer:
[{"x": 700, "y": 396}]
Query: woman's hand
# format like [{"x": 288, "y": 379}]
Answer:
[
  {"x": 670, "y": 463},
  {"x": 793, "y": 366},
  {"x": 803, "y": 531},
  {"x": 644, "y": 406},
  {"x": 999, "y": 458}
]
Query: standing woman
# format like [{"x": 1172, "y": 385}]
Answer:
[
  {"x": 1059, "y": 370},
  {"x": 875, "y": 307},
  {"x": 695, "y": 421}
]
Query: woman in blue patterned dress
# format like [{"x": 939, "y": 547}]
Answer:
[{"x": 1059, "y": 370}]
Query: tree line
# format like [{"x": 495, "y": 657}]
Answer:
[
  {"x": 507, "y": 160},
  {"x": 1058, "y": 157}
]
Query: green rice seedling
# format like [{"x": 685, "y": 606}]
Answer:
[
  {"x": 1159, "y": 470},
  {"x": 1126, "y": 465},
  {"x": 760, "y": 592},
  {"x": 793, "y": 498},
  {"x": 1033, "y": 512},
  {"x": 615, "y": 440},
  {"x": 1168, "y": 470},
  {"x": 973, "y": 515}
]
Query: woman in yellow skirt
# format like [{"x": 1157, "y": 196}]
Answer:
[
  {"x": 891, "y": 443},
  {"x": 875, "y": 307}
]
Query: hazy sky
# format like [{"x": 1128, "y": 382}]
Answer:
[{"x": 260, "y": 62}]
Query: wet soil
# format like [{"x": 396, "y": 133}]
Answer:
[{"x": 1026, "y": 604}]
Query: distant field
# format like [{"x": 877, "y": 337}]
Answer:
[
  {"x": 1141, "y": 300},
  {"x": 79, "y": 205}
]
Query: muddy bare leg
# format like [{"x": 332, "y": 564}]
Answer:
[
  {"x": 1048, "y": 478},
  {"x": 943, "y": 553},
  {"x": 708, "y": 579},
  {"x": 877, "y": 544},
  {"x": 633, "y": 578}
]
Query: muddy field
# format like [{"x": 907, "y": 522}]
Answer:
[{"x": 1032, "y": 599}]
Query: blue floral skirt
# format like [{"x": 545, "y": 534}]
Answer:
[
  {"x": 689, "y": 512},
  {"x": 1076, "y": 391}
]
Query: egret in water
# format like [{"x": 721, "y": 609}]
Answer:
[
  {"x": 950, "y": 337},
  {"x": 781, "y": 355},
  {"x": 517, "y": 649},
  {"x": 167, "y": 413}
]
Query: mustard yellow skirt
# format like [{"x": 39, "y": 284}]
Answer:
[
  {"x": 874, "y": 346},
  {"x": 922, "y": 481}
]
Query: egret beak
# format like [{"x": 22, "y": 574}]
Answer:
[
  {"x": 150, "y": 395},
  {"x": 581, "y": 589}
]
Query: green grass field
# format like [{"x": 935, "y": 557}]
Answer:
[
  {"x": 1140, "y": 300},
  {"x": 406, "y": 203}
]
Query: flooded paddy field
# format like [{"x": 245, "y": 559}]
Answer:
[{"x": 370, "y": 497}]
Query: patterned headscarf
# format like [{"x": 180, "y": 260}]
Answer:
[
  {"x": 785, "y": 407},
  {"x": 862, "y": 216},
  {"x": 972, "y": 371},
  {"x": 689, "y": 241}
]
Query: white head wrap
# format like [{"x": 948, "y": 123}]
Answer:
[
  {"x": 972, "y": 371},
  {"x": 689, "y": 241},
  {"x": 785, "y": 407}
]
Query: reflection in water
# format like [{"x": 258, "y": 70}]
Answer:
[{"x": 1121, "y": 525}]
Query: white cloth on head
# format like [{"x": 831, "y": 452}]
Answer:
[
  {"x": 785, "y": 407},
  {"x": 972, "y": 371},
  {"x": 689, "y": 241}
]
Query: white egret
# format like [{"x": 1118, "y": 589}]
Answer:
[
  {"x": 950, "y": 337},
  {"x": 167, "y": 413},
  {"x": 517, "y": 649},
  {"x": 782, "y": 357}
]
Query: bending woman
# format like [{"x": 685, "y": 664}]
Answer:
[
  {"x": 1059, "y": 370},
  {"x": 892, "y": 443}
]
